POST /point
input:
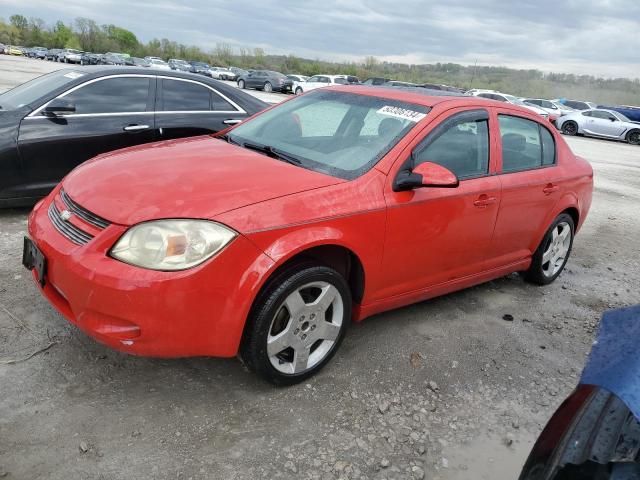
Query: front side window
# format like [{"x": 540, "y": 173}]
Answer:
[
  {"x": 112, "y": 95},
  {"x": 525, "y": 144},
  {"x": 337, "y": 133},
  {"x": 460, "y": 144}
]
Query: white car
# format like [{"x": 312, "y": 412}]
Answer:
[
  {"x": 297, "y": 78},
  {"x": 553, "y": 108},
  {"x": 221, "y": 73},
  {"x": 318, "y": 81},
  {"x": 157, "y": 63},
  {"x": 505, "y": 97}
]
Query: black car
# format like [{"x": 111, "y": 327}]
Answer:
[
  {"x": 200, "y": 67},
  {"x": 88, "y": 58},
  {"x": 57, "y": 121},
  {"x": 52, "y": 54},
  {"x": 266, "y": 80},
  {"x": 111, "y": 59}
]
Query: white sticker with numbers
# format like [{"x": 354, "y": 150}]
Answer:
[{"x": 402, "y": 113}]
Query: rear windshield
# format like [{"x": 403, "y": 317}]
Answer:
[
  {"x": 28, "y": 93},
  {"x": 340, "y": 134}
]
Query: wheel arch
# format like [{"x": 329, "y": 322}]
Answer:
[{"x": 568, "y": 204}]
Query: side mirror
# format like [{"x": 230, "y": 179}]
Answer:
[
  {"x": 426, "y": 174},
  {"x": 59, "y": 106}
]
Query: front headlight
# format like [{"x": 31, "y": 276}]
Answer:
[{"x": 171, "y": 244}]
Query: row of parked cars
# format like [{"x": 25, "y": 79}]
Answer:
[{"x": 577, "y": 117}]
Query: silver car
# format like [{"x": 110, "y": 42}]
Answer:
[{"x": 600, "y": 123}]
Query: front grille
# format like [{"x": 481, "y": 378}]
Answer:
[
  {"x": 67, "y": 229},
  {"x": 83, "y": 213}
]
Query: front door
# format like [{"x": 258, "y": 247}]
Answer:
[
  {"x": 436, "y": 235},
  {"x": 111, "y": 113}
]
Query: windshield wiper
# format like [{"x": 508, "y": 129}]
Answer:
[{"x": 273, "y": 152}]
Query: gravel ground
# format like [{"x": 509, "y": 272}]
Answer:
[{"x": 436, "y": 390}]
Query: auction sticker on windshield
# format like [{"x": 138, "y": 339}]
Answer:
[{"x": 403, "y": 113}]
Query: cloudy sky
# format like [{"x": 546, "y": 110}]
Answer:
[{"x": 599, "y": 37}]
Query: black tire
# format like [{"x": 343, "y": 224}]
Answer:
[
  {"x": 537, "y": 273},
  {"x": 268, "y": 304},
  {"x": 241, "y": 84},
  {"x": 299, "y": 91},
  {"x": 570, "y": 128},
  {"x": 633, "y": 137},
  {"x": 267, "y": 87}
]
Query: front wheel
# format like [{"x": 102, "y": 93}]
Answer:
[
  {"x": 297, "y": 324},
  {"x": 268, "y": 87},
  {"x": 241, "y": 84},
  {"x": 633, "y": 137},
  {"x": 553, "y": 252},
  {"x": 570, "y": 128}
]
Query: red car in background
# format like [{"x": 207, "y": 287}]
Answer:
[{"x": 331, "y": 207}]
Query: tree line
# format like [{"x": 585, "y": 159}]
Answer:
[{"x": 86, "y": 34}]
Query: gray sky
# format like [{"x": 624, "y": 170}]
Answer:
[{"x": 598, "y": 37}]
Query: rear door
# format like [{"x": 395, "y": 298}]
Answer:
[
  {"x": 186, "y": 108},
  {"x": 530, "y": 186},
  {"x": 111, "y": 112}
]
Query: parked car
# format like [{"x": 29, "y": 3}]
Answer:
[
  {"x": 553, "y": 108},
  {"x": 200, "y": 67},
  {"x": 238, "y": 71},
  {"x": 318, "y": 81},
  {"x": 266, "y": 80},
  {"x": 111, "y": 59},
  {"x": 157, "y": 64},
  {"x": 376, "y": 81},
  {"x": 88, "y": 58},
  {"x": 177, "y": 64},
  {"x": 221, "y": 73},
  {"x": 396, "y": 83},
  {"x": 632, "y": 113},
  {"x": 136, "y": 62},
  {"x": 322, "y": 210},
  {"x": 600, "y": 123},
  {"x": 57, "y": 121},
  {"x": 52, "y": 54},
  {"x": 39, "y": 53},
  {"x": 149, "y": 58},
  {"x": 3, "y": 49},
  {"x": 442, "y": 87},
  {"x": 297, "y": 78},
  {"x": 595, "y": 433},
  {"x": 577, "y": 104},
  {"x": 504, "y": 97},
  {"x": 70, "y": 55},
  {"x": 13, "y": 50}
]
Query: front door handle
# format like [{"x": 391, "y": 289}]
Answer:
[
  {"x": 135, "y": 128},
  {"x": 484, "y": 201},
  {"x": 232, "y": 121},
  {"x": 550, "y": 188}
]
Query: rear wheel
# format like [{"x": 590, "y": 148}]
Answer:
[
  {"x": 268, "y": 87},
  {"x": 297, "y": 324},
  {"x": 633, "y": 137},
  {"x": 299, "y": 91},
  {"x": 241, "y": 84},
  {"x": 553, "y": 252},
  {"x": 570, "y": 128}
]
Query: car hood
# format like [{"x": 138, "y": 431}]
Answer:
[{"x": 200, "y": 177}]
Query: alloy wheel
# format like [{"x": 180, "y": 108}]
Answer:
[
  {"x": 556, "y": 252},
  {"x": 570, "y": 128},
  {"x": 634, "y": 138},
  {"x": 305, "y": 328}
]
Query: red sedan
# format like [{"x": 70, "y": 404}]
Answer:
[{"x": 330, "y": 207}]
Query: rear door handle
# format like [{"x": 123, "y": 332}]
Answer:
[
  {"x": 232, "y": 121},
  {"x": 484, "y": 201},
  {"x": 135, "y": 128},
  {"x": 550, "y": 188}
]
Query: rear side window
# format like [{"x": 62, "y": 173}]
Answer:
[
  {"x": 179, "y": 96},
  {"x": 461, "y": 144},
  {"x": 525, "y": 144},
  {"x": 112, "y": 95}
]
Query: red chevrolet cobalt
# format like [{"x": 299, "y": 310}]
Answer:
[{"x": 268, "y": 241}]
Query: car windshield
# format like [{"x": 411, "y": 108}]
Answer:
[
  {"x": 30, "y": 92},
  {"x": 514, "y": 100},
  {"x": 340, "y": 134}
]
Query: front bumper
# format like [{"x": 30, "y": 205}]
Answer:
[{"x": 195, "y": 312}]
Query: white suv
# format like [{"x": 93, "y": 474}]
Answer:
[{"x": 318, "y": 81}]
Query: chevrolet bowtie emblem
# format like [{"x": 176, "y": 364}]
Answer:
[{"x": 66, "y": 215}]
